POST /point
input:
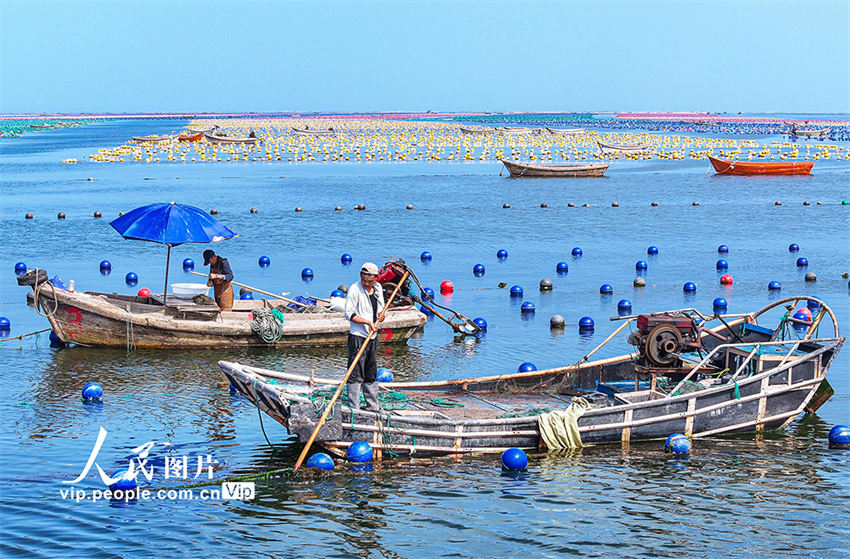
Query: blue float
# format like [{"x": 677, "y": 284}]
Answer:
[
  {"x": 307, "y": 273},
  {"x": 478, "y": 269},
  {"x": 723, "y": 249},
  {"x": 641, "y": 265},
  {"x": 516, "y": 291},
  {"x": 428, "y": 294},
  {"x": 576, "y": 251},
  {"x": 345, "y": 258},
  {"x": 105, "y": 265},
  {"x": 677, "y": 444},
  {"x": 586, "y": 323},
  {"x": 20, "y": 268},
  {"x": 384, "y": 375},
  {"x": 247, "y": 296},
  {"x": 527, "y": 307},
  {"x": 720, "y": 304},
  {"x": 321, "y": 461},
  {"x": 92, "y": 391},
  {"x": 802, "y": 262},
  {"x": 4, "y": 323},
  {"x": 689, "y": 287},
  {"x": 652, "y": 250},
  {"x": 526, "y": 367},
  {"x": 774, "y": 286},
  {"x": 481, "y": 323},
  {"x": 337, "y": 293},
  {"x": 188, "y": 264},
  {"x": 124, "y": 482},
  {"x": 839, "y": 437},
  {"x": 624, "y": 305},
  {"x": 54, "y": 340},
  {"x": 360, "y": 451},
  {"x": 425, "y": 256},
  {"x": 131, "y": 278},
  {"x": 426, "y": 311},
  {"x": 812, "y": 305},
  {"x": 562, "y": 268},
  {"x": 501, "y": 254},
  {"x": 264, "y": 261},
  {"x": 606, "y": 289},
  {"x": 793, "y": 247},
  {"x": 514, "y": 459},
  {"x": 721, "y": 264}
]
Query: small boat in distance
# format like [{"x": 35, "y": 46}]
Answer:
[
  {"x": 152, "y": 139},
  {"x": 513, "y": 130},
  {"x": 231, "y": 139},
  {"x": 751, "y": 168},
  {"x": 520, "y": 169},
  {"x": 191, "y": 137},
  {"x": 477, "y": 130},
  {"x": 306, "y": 131},
  {"x": 809, "y": 131},
  {"x": 566, "y": 131},
  {"x": 622, "y": 148}
]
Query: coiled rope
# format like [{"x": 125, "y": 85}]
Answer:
[
  {"x": 37, "y": 296},
  {"x": 268, "y": 325}
]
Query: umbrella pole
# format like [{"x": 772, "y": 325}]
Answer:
[{"x": 167, "y": 265}]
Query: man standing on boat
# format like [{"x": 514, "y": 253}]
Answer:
[
  {"x": 220, "y": 277},
  {"x": 363, "y": 305}
]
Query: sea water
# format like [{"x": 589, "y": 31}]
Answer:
[{"x": 783, "y": 494}]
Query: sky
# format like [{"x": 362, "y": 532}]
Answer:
[{"x": 241, "y": 56}]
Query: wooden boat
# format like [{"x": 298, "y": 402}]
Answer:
[
  {"x": 809, "y": 131},
  {"x": 231, "y": 139},
  {"x": 513, "y": 130},
  {"x": 522, "y": 169},
  {"x": 152, "y": 139},
  {"x": 40, "y": 126},
  {"x": 745, "y": 378},
  {"x": 566, "y": 131},
  {"x": 750, "y": 168},
  {"x": 477, "y": 130},
  {"x": 196, "y": 137},
  {"x": 622, "y": 148},
  {"x": 112, "y": 320},
  {"x": 305, "y": 131},
  {"x": 194, "y": 130}
]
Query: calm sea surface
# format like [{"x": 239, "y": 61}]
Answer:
[{"x": 783, "y": 495}]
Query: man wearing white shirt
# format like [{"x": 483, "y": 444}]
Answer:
[{"x": 363, "y": 308}]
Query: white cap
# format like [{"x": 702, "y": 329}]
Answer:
[{"x": 370, "y": 268}]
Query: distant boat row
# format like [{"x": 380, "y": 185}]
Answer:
[{"x": 521, "y": 131}]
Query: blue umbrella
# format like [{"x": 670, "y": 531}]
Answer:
[{"x": 171, "y": 224}]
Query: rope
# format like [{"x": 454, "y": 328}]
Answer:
[
  {"x": 268, "y": 325},
  {"x": 259, "y": 413},
  {"x": 528, "y": 413},
  {"x": 37, "y": 287},
  {"x": 22, "y": 336}
]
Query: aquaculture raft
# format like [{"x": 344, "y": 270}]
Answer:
[{"x": 758, "y": 381}]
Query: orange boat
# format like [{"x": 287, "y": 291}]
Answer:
[
  {"x": 725, "y": 167},
  {"x": 190, "y": 137}
]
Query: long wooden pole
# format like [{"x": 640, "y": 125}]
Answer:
[
  {"x": 333, "y": 399},
  {"x": 282, "y": 298}
]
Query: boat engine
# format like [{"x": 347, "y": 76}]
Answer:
[
  {"x": 660, "y": 338},
  {"x": 389, "y": 276}
]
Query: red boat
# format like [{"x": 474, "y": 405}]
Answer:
[
  {"x": 190, "y": 137},
  {"x": 726, "y": 167}
]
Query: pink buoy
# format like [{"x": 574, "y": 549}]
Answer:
[
  {"x": 447, "y": 287},
  {"x": 726, "y": 279},
  {"x": 805, "y": 311}
]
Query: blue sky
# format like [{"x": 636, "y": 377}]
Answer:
[{"x": 756, "y": 56}]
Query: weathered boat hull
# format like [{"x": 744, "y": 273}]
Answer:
[
  {"x": 191, "y": 137},
  {"x": 623, "y": 148},
  {"x": 308, "y": 132},
  {"x": 517, "y": 169},
  {"x": 152, "y": 139},
  {"x": 755, "y": 168},
  {"x": 91, "y": 319},
  {"x": 231, "y": 139}
]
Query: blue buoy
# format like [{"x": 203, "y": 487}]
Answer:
[
  {"x": 514, "y": 459},
  {"x": 188, "y": 264},
  {"x": 641, "y": 265},
  {"x": 384, "y": 375},
  {"x": 478, "y": 269},
  {"x": 562, "y": 268},
  {"x": 722, "y": 264},
  {"x": 516, "y": 291},
  {"x": 247, "y": 296},
  {"x": 677, "y": 444},
  {"x": 839, "y": 437},
  {"x": 425, "y": 256},
  {"x": 57, "y": 282},
  {"x": 54, "y": 340},
  {"x": 264, "y": 261},
  {"x": 124, "y": 481},
  {"x": 606, "y": 289},
  {"x": 428, "y": 294},
  {"x": 624, "y": 305},
  {"x": 320, "y": 460},
  {"x": 307, "y": 273},
  {"x": 92, "y": 391},
  {"x": 337, "y": 293},
  {"x": 526, "y": 367},
  {"x": 723, "y": 249},
  {"x": 576, "y": 251},
  {"x": 481, "y": 323},
  {"x": 426, "y": 311},
  {"x": 131, "y": 278},
  {"x": 360, "y": 451},
  {"x": 812, "y": 306},
  {"x": 793, "y": 247},
  {"x": 802, "y": 262},
  {"x": 774, "y": 286},
  {"x": 586, "y": 323},
  {"x": 720, "y": 304},
  {"x": 527, "y": 307},
  {"x": 652, "y": 250},
  {"x": 345, "y": 258},
  {"x": 689, "y": 287},
  {"x": 501, "y": 254},
  {"x": 4, "y": 323},
  {"x": 20, "y": 268},
  {"x": 105, "y": 265}
]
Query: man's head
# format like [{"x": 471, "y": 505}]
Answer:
[
  {"x": 368, "y": 274},
  {"x": 209, "y": 257}
]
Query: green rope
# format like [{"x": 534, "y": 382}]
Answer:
[
  {"x": 533, "y": 412},
  {"x": 442, "y": 403},
  {"x": 737, "y": 390}
]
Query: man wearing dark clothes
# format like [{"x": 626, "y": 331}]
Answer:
[{"x": 363, "y": 305}]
